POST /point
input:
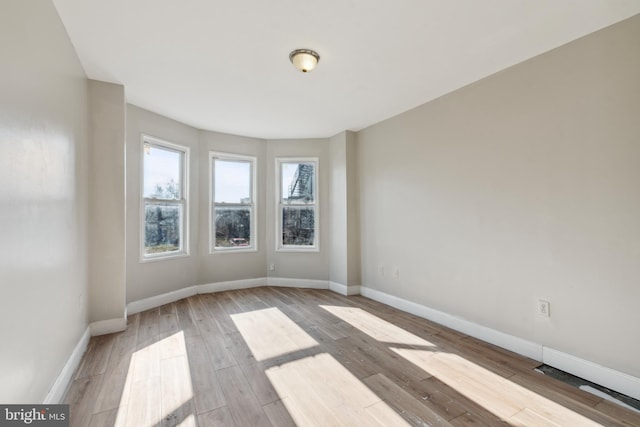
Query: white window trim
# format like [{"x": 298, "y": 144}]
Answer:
[
  {"x": 279, "y": 205},
  {"x": 253, "y": 247},
  {"x": 184, "y": 202}
]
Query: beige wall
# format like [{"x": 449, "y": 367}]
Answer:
[
  {"x": 300, "y": 265},
  {"x": 158, "y": 277},
  {"x": 521, "y": 186},
  {"x": 221, "y": 267},
  {"x": 344, "y": 255},
  {"x": 106, "y": 201},
  {"x": 43, "y": 203},
  {"x": 353, "y": 211},
  {"x": 338, "y": 262}
]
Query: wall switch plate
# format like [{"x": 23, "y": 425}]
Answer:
[
  {"x": 544, "y": 308},
  {"x": 272, "y": 267}
]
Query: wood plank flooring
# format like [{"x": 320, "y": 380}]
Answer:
[{"x": 285, "y": 357}]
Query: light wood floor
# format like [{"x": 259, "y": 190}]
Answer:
[{"x": 283, "y": 357}]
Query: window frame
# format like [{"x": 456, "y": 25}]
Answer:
[
  {"x": 280, "y": 246},
  {"x": 253, "y": 206},
  {"x": 182, "y": 202}
]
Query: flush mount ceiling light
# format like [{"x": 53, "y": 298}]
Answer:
[{"x": 304, "y": 60}]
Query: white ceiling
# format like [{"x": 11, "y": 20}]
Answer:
[{"x": 224, "y": 66}]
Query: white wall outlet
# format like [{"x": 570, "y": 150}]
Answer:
[
  {"x": 381, "y": 270},
  {"x": 272, "y": 267},
  {"x": 544, "y": 308}
]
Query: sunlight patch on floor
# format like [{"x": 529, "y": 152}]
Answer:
[
  {"x": 318, "y": 390},
  {"x": 270, "y": 333},
  {"x": 158, "y": 373},
  {"x": 376, "y": 327},
  {"x": 498, "y": 395},
  {"x": 507, "y": 400}
]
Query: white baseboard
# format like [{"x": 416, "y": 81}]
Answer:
[
  {"x": 57, "y": 391},
  {"x": 601, "y": 375},
  {"x": 354, "y": 290},
  {"x": 262, "y": 281},
  {"x": 338, "y": 288},
  {"x": 297, "y": 283},
  {"x": 615, "y": 380},
  {"x": 109, "y": 326},
  {"x": 232, "y": 285},
  {"x": 510, "y": 342},
  {"x": 158, "y": 300},
  {"x": 341, "y": 289}
]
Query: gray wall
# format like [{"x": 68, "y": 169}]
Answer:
[
  {"x": 43, "y": 203},
  {"x": 521, "y": 186}
]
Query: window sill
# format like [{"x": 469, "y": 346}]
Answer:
[
  {"x": 232, "y": 251},
  {"x": 164, "y": 257},
  {"x": 298, "y": 249}
]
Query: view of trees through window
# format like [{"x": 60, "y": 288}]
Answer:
[
  {"x": 232, "y": 202},
  {"x": 163, "y": 199},
  {"x": 298, "y": 203}
]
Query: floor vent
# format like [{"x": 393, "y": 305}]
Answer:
[{"x": 588, "y": 386}]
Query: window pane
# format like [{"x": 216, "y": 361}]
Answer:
[
  {"x": 232, "y": 227},
  {"x": 232, "y": 181},
  {"x": 162, "y": 173},
  {"x": 297, "y": 182},
  {"x": 298, "y": 226},
  {"x": 162, "y": 228}
]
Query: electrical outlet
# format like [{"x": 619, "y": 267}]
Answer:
[
  {"x": 544, "y": 308},
  {"x": 272, "y": 267}
]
